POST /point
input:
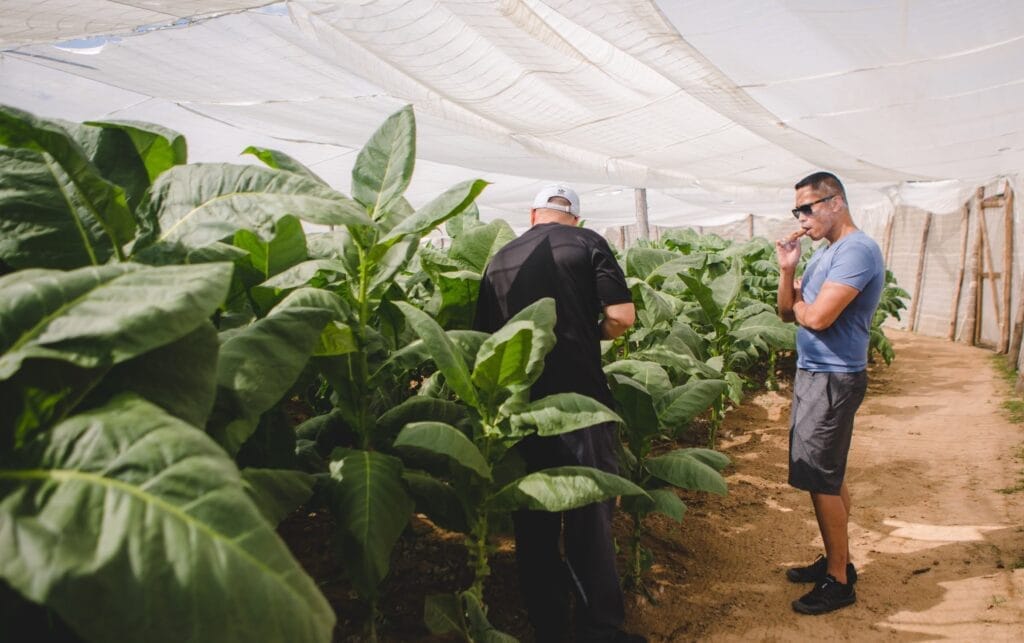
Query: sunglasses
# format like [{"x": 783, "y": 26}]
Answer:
[{"x": 805, "y": 209}]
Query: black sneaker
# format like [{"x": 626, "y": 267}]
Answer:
[
  {"x": 828, "y": 595},
  {"x": 817, "y": 571}
]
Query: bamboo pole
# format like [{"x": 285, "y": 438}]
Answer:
[
  {"x": 971, "y": 323},
  {"x": 915, "y": 300},
  {"x": 1004, "y": 337},
  {"x": 958, "y": 285},
  {"x": 990, "y": 272},
  {"x": 640, "y": 197},
  {"x": 887, "y": 240}
]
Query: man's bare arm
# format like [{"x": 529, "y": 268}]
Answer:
[
  {"x": 830, "y": 302},
  {"x": 617, "y": 320}
]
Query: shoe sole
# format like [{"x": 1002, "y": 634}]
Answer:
[{"x": 815, "y": 610}]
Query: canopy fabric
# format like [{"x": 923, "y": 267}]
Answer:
[{"x": 716, "y": 108}]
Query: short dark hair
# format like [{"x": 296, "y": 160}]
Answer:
[{"x": 820, "y": 179}]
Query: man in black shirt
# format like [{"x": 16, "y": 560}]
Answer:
[{"x": 576, "y": 267}]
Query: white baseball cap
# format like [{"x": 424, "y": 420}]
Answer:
[{"x": 551, "y": 191}]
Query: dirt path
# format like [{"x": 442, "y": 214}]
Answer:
[{"x": 938, "y": 547}]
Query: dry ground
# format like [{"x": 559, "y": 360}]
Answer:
[{"x": 939, "y": 548}]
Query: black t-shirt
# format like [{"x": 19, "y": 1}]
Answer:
[{"x": 576, "y": 267}]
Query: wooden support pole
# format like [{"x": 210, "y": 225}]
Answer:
[
  {"x": 887, "y": 240},
  {"x": 989, "y": 272},
  {"x": 915, "y": 300},
  {"x": 958, "y": 284},
  {"x": 750, "y": 226},
  {"x": 642, "y": 229},
  {"x": 1004, "y": 323},
  {"x": 1018, "y": 321},
  {"x": 971, "y": 321}
]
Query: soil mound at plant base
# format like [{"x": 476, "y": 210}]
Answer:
[{"x": 936, "y": 538}]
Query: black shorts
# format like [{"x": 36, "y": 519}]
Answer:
[{"x": 821, "y": 426}]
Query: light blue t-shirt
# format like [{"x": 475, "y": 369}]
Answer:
[{"x": 856, "y": 261}]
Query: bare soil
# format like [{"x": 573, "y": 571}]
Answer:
[{"x": 936, "y": 473}]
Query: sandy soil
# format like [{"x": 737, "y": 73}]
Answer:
[{"x": 938, "y": 547}]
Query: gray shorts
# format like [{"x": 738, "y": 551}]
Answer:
[{"x": 821, "y": 425}]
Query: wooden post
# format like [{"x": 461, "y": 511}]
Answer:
[
  {"x": 971, "y": 322},
  {"x": 989, "y": 272},
  {"x": 1004, "y": 323},
  {"x": 958, "y": 286},
  {"x": 750, "y": 226},
  {"x": 915, "y": 300},
  {"x": 642, "y": 229},
  {"x": 887, "y": 240}
]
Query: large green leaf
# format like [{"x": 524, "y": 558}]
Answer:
[
  {"x": 502, "y": 362},
  {"x": 259, "y": 364},
  {"x": 134, "y": 526},
  {"x": 683, "y": 403},
  {"x": 641, "y": 262},
  {"x": 704, "y": 296},
  {"x": 638, "y": 414},
  {"x": 197, "y": 204},
  {"x": 563, "y": 488},
  {"x": 39, "y": 227},
  {"x": 91, "y": 199},
  {"x": 281, "y": 161},
  {"x": 106, "y": 315},
  {"x": 653, "y": 308},
  {"x": 159, "y": 148},
  {"x": 768, "y": 328},
  {"x": 561, "y": 413},
  {"x": 180, "y": 377},
  {"x": 687, "y": 471},
  {"x": 384, "y": 166},
  {"x": 371, "y": 508},
  {"x": 285, "y": 248},
  {"x": 649, "y": 374},
  {"x": 444, "y": 440},
  {"x": 447, "y": 357},
  {"x": 277, "y": 492},
  {"x": 437, "y": 499},
  {"x": 727, "y": 287},
  {"x": 384, "y": 267},
  {"x": 475, "y": 247},
  {"x": 450, "y": 203},
  {"x": 480, "y": 629}
]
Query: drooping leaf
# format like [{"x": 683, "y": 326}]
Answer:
[
  {"x": 561, "y": 413},
  {"x": 259, "y": 364},
  {"x": 641, "y": 262},
  {"x": 200, "y": 203},
  {"x": 637, "y": 409},
  {"x": 281, "y": 161},
  {"x": 437, "y": 499},
  {"x": 444, "y": 440},
  {"x": 180, "y": 377},
  {"x": 97, "y": 201},
  {"x": 563, "y": 488},
  {"x": 106, "y": 315},
  {"x": 372, "y": 508},
  {"x": 480, "y": 629},
  {"x": 130, "y": 523},
  {"x": 727, "y": 287},
  {"x": 704, "y": 295},
  {"x": 38, "y": 226},
  {"x": 679, "y": 406},
  {"x": 159, "y": 148},
  {"x": 686, "y": 471},
  {"x": 421, "y": 409},
  {"x": 767, "y": 327},
  {"x": 277, "y": 492},
  {"x": 384, "y": 166},
  {"x": 649, "y": 374},
  {"x": 668, "y": 503}
]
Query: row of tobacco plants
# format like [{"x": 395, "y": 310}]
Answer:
[{"x": 159, "y": 319}]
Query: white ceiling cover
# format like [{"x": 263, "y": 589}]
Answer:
[{"x": 717, "y": 107}]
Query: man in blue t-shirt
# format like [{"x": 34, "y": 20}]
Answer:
[{"x": 833, "y": 304}]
